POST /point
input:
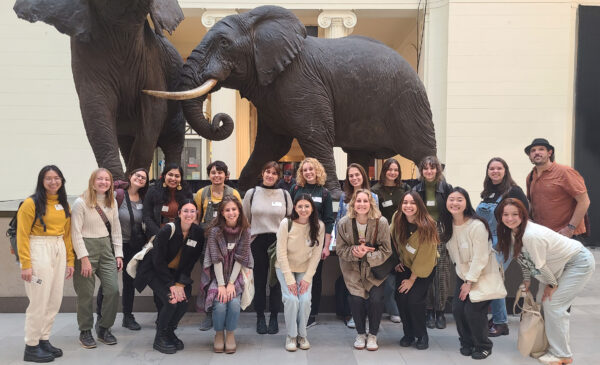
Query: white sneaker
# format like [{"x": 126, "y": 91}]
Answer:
[
  {"x": 548, "y": 358},
  {"x": 351, "y": 323},
  {"x": 290, "y": 344},
  {"x": 372, "y": 343},
  {"x": 303, "y": 343},
  {"x": 395, "y": 319},
  {"x": 360, "y": 342}
]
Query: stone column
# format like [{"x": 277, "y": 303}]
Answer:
[
  {"x": 223, "y": 101},
  {"x": 337, "y": 24}
]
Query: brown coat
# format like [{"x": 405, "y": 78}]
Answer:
[{"x": 357, "y": 272}]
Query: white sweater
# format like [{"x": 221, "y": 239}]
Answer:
[
  {"x": 469, "y": 248},
  {"x": 86, "y": 222},
  {"x": 267, "y": 210}
]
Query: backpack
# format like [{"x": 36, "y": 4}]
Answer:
[
  {"x": 11, "y": 233},
  {"x": 212, "y": 208},
  {"x": 284, "y": 198}
]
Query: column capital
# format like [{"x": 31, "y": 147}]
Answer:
[
  {"x": 347, "y": 17},
  {"x": 210, "y": 17}
]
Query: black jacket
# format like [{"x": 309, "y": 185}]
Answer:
[
  {"x": 156, "y": 261},
  {"x": 153, "y": 203},
  {"x": 441, "y": 193}
]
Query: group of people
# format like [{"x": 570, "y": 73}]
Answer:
[{"x": 396, "y": 247}]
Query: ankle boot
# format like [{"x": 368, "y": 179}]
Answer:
[
  {"x": 173, "y": 337},
  {"x": 163, "y": 343},
  {"x": 440, "y": 320},
  {"x": 273, "y": 325},
  {"x": 219, "y": 344},
  {"x": 261, "y": 325},
  {"x": 37, "y": 354},
  {"x": 430, "y": 319},
  {"x": 129, "y": 322},
  {"x": 47, "y": 346},
  {"x": 230, "y": 345}
]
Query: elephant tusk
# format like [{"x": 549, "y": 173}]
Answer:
[{"x": 184, "y": 95}]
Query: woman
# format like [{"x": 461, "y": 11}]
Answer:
[
  {"x": 227, "y": 252},
  {"x": 356, "y": 178},
  {"x": 310, "y": 179},
  {"x": 167, "y": 270},
  {"x": 415, "y": 237},
  {"x": 469, "y": 244},
  {"x": 561, "y": 264},
  {"x": 298, "y": 252},
  {"x": 129, "y": 203},
  {"x": 96, "y": 234},
  {"x": 363, "y": 242},
  {"x": 434, "y": 191},
  {"x": 498, "y": 185},
  {"x": 46, "y": 256},
  {"x": 265, "y": 206},
  {"x": 390, "y": 190}
]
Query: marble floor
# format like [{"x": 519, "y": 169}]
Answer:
[{"x": 331, "y": 342}]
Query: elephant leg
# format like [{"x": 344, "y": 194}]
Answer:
[
  {"x": 172, "y": 138},
  {"x": 360, "y": 157},
  {"x": 125, "y": 144},
  {"x": 150, "y": 124},
  {"x": 322, "y": 151},
  {"x": 267, "y": 147}
]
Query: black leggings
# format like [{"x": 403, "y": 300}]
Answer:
[
  {"x": 261, "y": 270},
  {"x": 411, "y": 305},
  {"x": 315, "y": 293},
  {"x": 169, "y": 314},
  {"x": 371, "y": 308}
]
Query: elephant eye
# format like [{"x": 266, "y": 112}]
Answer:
[{"x": 225, "y": 42}]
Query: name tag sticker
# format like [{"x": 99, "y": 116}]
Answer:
[
  {"x": 411, "y": 249},
  {"x": 139, "y": 206},
  {"x": 58, "y": 207},
  {"x": 464, "y": 245},
  {"x": 492, "y": 195},
  {"x": 308, "y": 241},
  {"x": 431, "y": 203},
  {"x": 276, "y": 204},
  {"x": 317, "y": 199},
  {"x": 215, "y": 213},
  {"x": 387, "y": 203},
  {"x": 230, "y": 245},
  {"x": 192, "y": 243},
  {"x": 165, "y": 208}
]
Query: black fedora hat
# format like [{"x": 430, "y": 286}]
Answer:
[{"x": 539, "y": 142}]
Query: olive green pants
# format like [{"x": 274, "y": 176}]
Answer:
[{"x": 104, "y": 266}]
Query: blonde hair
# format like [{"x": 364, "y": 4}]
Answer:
[
  {"x": 319, "y": 172},
  {"x": 374, "y": 212},
  {"x": 89, "y": 196}
]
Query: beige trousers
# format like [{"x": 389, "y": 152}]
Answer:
[{"x": 48, "y": 263}]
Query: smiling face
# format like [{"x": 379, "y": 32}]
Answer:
[
  {"x": 270, "y": 176},
  {"x": 496, "y": 172},
  {"x": 231, "y": 214},
  {"x": 355, "y": 177},
  {"x": 511, "y": 217},
  {"x": 217, "y": 177},
  {"x": 304, "y": 209},
  {"x": 52, "y": 182},
  {"x": 362, "y": 204},
  {"x": 187, "y": 214},
  {"x": 392, "y": 174},
  {"x": 409, "y": 207},
  {"x": 138, "y": 179},
  {"x": 102, "y": 182},
  {"x": 173, "y": 178},
  {"x": 540, "y": 155},
  {"x": 309, "y": 173},
  {"x": 456, "y": 204},
  {"x": 429, "y": 173}
]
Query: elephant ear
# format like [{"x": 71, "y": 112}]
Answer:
[
  {"x": 166, "y": 15},
  {"x": 71, "y": 17},
  {"x": 278, "y": 38}
]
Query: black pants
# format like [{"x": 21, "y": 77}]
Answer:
[
  {"x": 411, "y": 305},
  {"x": 315, "y": 293},
  {"x": 261, "y": 271},
  {"x": 371, "y": 308},
  {"x": 342, "y": 307},
  {"x": 169, "y": 314},
  {"x": 128, "y": 288},
  {"x": 471, "y": 321}
]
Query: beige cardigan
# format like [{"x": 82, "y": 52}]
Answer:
[{"x": 357, "y": 272}]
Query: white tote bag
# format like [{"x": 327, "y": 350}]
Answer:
[
  {"x": 490, "y": 284},
  {"x": 138, "y": 257},
  {"x": 532, "y": 340},
  {"x": 248, "y": 293}
]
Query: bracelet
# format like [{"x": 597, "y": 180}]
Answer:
[{"x": 571, "y": 227}]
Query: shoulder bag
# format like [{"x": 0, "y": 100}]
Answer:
[
  {"x": 138, "y": 257},
  {"x": 532, "y": 340}
]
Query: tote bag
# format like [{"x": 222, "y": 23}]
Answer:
[
  {"x": 532, "y": 340},
  {"x": 248, "y": 293},
  {"x": 490, "y": 284}
]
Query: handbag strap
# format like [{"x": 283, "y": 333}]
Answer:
[
  {"x": 105, "y": 220},
  {"x": 355, "y": 231},
  {"x": 131, "y": 217}
]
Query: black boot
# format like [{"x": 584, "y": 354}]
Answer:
[
  {"x": 105, "y": 336},
  {"x": 173, "y": 337},
  {"x": 430, "y": 321},
  {"x": 130, "y": 323},
  {"x": 37, "y": 354},
  {"x": 422, "y": 343},
  {"x": 440, "y": 320},
  {"x": 47, "y": 346},
  {"x": 498, "y": 330},
  {"x": 86, "y": 339},
  {"x": 261, "y": 325},
  {"x": 163, "y": 343},
  {"x": 273, "y": 325}
]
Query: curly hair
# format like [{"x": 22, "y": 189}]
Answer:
[
  {"x": 319, "y": 172},
  {"x": 433, "y": 162},
  {"x": 374, "y": 212}
]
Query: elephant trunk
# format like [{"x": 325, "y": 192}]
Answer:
[{"x": 220, "y": 128}]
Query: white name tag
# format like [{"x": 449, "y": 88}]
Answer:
[
  {"x": 192, "y": 243},
  {"x": 215, "y": 214},
  {"x": 139, "y": 206},
  {"x": 464, "y": 245},
  {"x": 58, "y": 207},
  {"x": 431, "y": 203},
  {"x": 492, "y": 195},
  {"x": 276, "y": 204},
  {"x": 411, "y": 249},
  {"x": 308, "y": 241},
  {"x": 165, "y": 208},
  {"x": 317, "y": 199},
  {"x": 230, "y": 245},
  {"x": 387, "y": 203}
]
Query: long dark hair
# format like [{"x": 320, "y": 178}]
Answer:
[
  {"x": 504, "y": 186},
  {"x": 220, "y": 221},
  {"x": 142, "y": 191},
  {"x": 348, "y": 188},
  {"x": 446, "y": 216},
  {"x": 39, "y": 196},
  {"x": 504, "y": 233},
  {"x": 426, "y": 226},
  {"x": 313, "y": 219},
  {"x": 385, "y": 167},
  {"x": 179, "y": 194}
]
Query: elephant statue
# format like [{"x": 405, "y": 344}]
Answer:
[
  {"x": 352, "y": 92},
  {"x": 114, "y": 55}
]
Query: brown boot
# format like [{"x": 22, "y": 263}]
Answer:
[
  {"x": 230, "y": 345},
  {"x": 219, "y": 344}
]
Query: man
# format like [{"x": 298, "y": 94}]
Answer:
[
  {"x": 557, "y": 193},
  {"x": 287, "y": 182}
]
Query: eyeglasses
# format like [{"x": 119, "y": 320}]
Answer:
[{"x": 140, "y": 176}]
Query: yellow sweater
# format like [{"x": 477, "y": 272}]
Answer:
[
  {"x": 420, "y": 257},
  {"x": 56, "y": 225}
]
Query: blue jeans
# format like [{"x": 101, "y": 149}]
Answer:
[
  {"x": 226, "y": 315},
  {"x": 296, "y": 309},
  {"x": 498, "y": 306}
]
